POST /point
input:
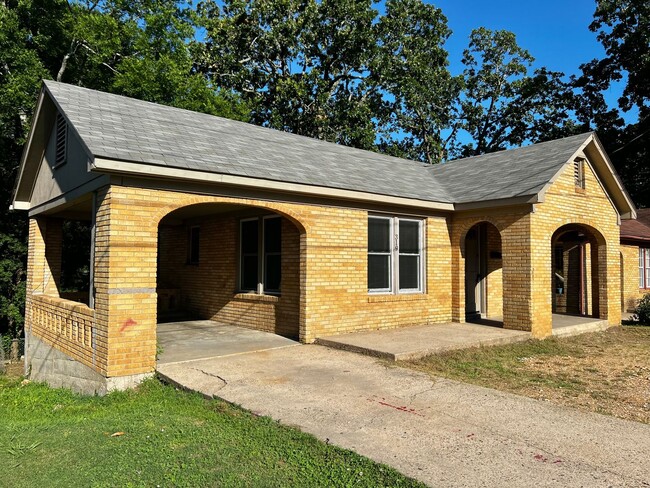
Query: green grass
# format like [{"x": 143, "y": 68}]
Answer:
[{"x": 52, "y": 437}]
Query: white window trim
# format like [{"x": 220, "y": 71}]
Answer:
[
  {"x": 644, "y": 268},
  {"x": 393, "y": 278},
  {"x": 265, "y": 254},
  {"x": 261, "y": 257}
]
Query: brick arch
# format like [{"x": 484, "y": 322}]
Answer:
[
  {"x": 466, "y": 226},
  {"x": 293, "y": 215},
  {"x": 567, "y": 225},
  {"x": 596, "y": 280},
  {"x": 286, "y": 210}
]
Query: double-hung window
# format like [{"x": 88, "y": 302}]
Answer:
[
  {"x": 644, "y": 267},
  {"x": 395, "y": 255},
  {"x": 260, "y": 255}
]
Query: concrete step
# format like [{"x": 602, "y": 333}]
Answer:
[{"x": 582, "y": 328}]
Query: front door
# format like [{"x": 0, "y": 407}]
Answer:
[{"x": 474, "y": 274}]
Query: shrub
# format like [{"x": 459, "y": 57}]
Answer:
[{"x": 642, "y": 310}]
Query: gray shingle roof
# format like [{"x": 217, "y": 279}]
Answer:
[
  {"x": 506, "y": 174},
  {"x": 121, "y": 128}
]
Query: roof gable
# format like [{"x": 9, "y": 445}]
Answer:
[{"x": 125, "y": 135}]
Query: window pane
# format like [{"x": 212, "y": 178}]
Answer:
[
  {"x": 249, "y": 273},
  {"x": 378, "y": 235},
  {"x": 272, "y": 236},
  {"x": 409, "y": 272},
  {"x": 647, "y": 258},
  {"x": 409, "y": 237},
  {"x": 378, "y": 272},
  {"x": 640, "y": 258},
  {"x": 272, "y": 269},
  {"x": 249, "y": 234}
]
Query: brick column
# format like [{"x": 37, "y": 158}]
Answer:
[
  {"x": 125, "y": 285},
  {"x": 527, "y": 278},
  {"x": 609, "y": 282}
]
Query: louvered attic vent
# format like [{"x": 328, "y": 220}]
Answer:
[
  {"x": 579, "y": 173},
  {"x": 61, "y": 141}
]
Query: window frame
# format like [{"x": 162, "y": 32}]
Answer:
[
  {"x": 394, "y": 255},
  {"x": 261, "y": 256},
  {"x": 644, "y": 268}
]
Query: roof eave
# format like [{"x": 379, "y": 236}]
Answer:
[
  {"x": 112, "y": 166},
  {"x": 500, "y": 202},
  {"x": 17, "y": 204}
]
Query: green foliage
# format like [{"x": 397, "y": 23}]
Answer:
[
  {"x": 337, "y": 70},
  {"x": 170, "y": 438},
  {"x": 411, "y": 69},
  {"x": 623, "y": 28},
  {"x": 502, "y": 105},
  {"x": 642, "y": 310},
  {"x": 300, "y": 65}
]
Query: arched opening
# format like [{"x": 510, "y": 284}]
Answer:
[
  {"x": 483, "y": 275},
  {"x": 230, "y": 265},
  {"x": 577, "y": 266}
]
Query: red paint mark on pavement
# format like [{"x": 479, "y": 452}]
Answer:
[
  {"x": 127, "y": 323},
  {"x": 540, "y": 458},
  {"x": 396, "y": 407}
]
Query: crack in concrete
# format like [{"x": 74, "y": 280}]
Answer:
[{"x": 213, "y": 376}]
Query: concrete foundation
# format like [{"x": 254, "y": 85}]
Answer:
[{"x": 47, "y": 364}]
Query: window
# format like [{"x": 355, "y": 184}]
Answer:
[
  {"x": 61, "y": 149},
  {"x": 194, "y": 245},
  {"x": 261, "y": 254},
  {"x": 644, "y": 267},
  {"x": 395, "y": 249},
  {"x": 579, "y": 173}
]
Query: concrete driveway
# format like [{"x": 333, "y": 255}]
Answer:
[{"x": 442, "y": 432}]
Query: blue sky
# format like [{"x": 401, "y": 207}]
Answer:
[{"x": 555, "y": 32}]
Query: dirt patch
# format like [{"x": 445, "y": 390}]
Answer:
[
  {"x": 607, "y": 372},
  {"x": 15, "y": 370}
]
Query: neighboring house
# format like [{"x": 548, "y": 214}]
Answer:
[
  {"x": 240, "y": 224},
  {"x": 635, "y": 259}
]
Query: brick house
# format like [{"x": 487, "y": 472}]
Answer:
[
  {"x": 222, "y": 220},
  {"x": 635, "y": 259}
]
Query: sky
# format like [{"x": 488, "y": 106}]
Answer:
[{"x": 555, "y": 32}]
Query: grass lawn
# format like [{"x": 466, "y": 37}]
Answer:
[
  {"x": 165, "y": 437},
  {"x": 606, "y": 372}
]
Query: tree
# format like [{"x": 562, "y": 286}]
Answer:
[
  {"x": 20, "y": 74},
  {"x": 336, "y": 69},
  {"x": 139, "y": 48},
  {"x": 501, "y": 105},
  {"x": 623, "y": 28},
  {"x": 299, "y": 64},
  {"x": 411, "y": 70}
]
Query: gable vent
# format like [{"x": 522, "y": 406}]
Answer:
[
  {"x": 579, "y": 173},
  {"x": 61, "y": 141}
]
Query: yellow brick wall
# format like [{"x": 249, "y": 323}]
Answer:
[
  {"x": 330, "y": 269},
  {"x": 630, "y": 292},
  {"x": 332, "y": 263},
  {"x": 590, "y": 208},
  {"x": 209, "y": 290},
  {"x": 494, "y": 278}
]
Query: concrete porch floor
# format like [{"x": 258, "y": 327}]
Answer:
[
  {"x": 421, "y": 340},
  {"x": 416, "y": 342},
  {"x": 202, "y": 339}
]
